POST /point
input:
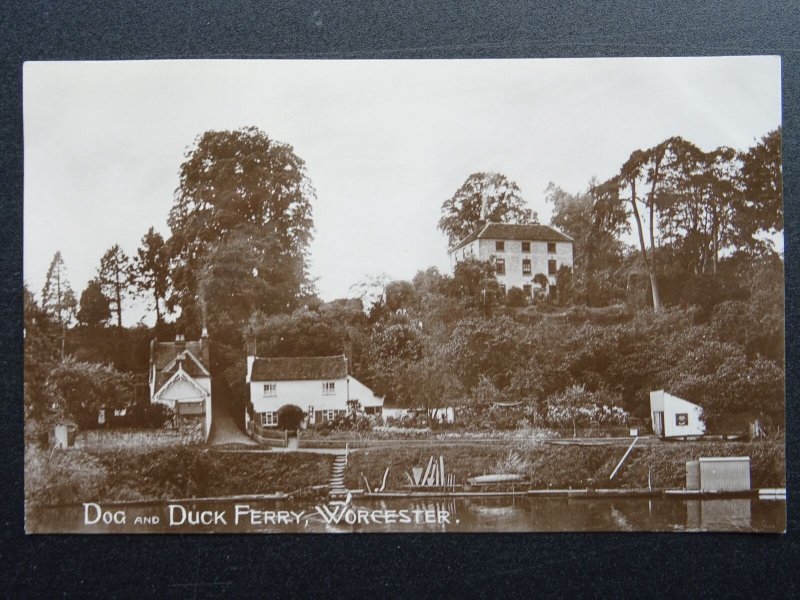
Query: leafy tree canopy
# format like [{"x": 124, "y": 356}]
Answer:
[
  {"x": 95, "y": 307},
  {"x": 232, "y": 180},
  {"x": 487, "y": 196}
]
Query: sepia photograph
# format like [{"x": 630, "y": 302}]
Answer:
[{"x": 404, "y": 296}]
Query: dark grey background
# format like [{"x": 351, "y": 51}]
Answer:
[{"x": 529, "y": 565}]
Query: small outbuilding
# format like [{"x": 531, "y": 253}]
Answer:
[
  {"x": 674, "y": 417},
  {"x": 719, "y": 474}
]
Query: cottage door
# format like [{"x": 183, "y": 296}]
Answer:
[{"x": 658, "y": 423}]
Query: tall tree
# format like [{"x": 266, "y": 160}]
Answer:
[
  {"x": 58, "y": 299},
  {"x": 42, "y": 346},
  {"x": 596, "y": 224},
  {"x": 151, "y": 269},
  {"x": 235, "y": 179},
  {"x": 95, "y": 307},
  {"x": 482, "y": 197},
  {"x": 243, "y": 274},
  {"x": 761, "y": 207},
  {"x": 116, "y": 278}
]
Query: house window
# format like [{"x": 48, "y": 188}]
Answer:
[
  {"x": 526, "y": 266},
  {"x": 268, "y": 419},
  {"x": 526, "y": 246},
  {"x": 552, "y": 267},
  {"x": 502, "y": 289},
  {"x": 681, "y": 419},
  {"x": 328, "y": 388},
  {"x": 500, "y": 266},
  {"x": 551, "y": 247},
  {"x": 270, "y": 389},
  {"x": 500, "y": 246},
  {"x": 331, "y": 414},
  {"x": 526, "y": 289}
]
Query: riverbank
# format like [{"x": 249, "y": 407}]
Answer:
[
  {"x": 660, "y": 465},
  {"x": 76, "y": 476}
]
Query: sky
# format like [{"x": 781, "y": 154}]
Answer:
[{"x": 384, "y": 142}]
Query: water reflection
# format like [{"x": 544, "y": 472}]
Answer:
[{"x": 440, "y": 515}]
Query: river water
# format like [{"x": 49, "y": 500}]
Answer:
[{"x": 508, "y": 514}]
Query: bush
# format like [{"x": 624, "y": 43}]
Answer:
[{"x": 516, "y": 297}]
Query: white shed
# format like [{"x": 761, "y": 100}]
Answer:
[{"x": 675, "y": 417}]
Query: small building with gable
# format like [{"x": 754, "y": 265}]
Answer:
[
  {"x": 290, "y": 392},
  {"x": 674, "y": 417},
  {"x": 180, "y": 378},
  {"x": 519, "y": 253}
]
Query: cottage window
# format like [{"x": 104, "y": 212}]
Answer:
[
  {"x": 681, "y": 419},
  {"x": 328, "y": 415},
  {"x": 328, "y": 388},
  {"x": 502, "y": 289},
  {"x": 270, "y": 390},
  {"x": 526, "y": 266},
  {"x": 500, "y": 246},
  {"x": 500, "y": 266},
  {"x": 526, "y": 246},
  {"x": 268, "y": 419},
  {"x": 551, "y": 247},
  {"x": 527, "y": 289},
  {"x": 552, "y": 267}
]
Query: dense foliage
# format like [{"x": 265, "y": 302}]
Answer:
[{"x": 696, "y": 309}]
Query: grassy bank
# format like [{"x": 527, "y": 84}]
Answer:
[
  {"x": 557, "y": 466},
  {"x": 179, "y": 472}
]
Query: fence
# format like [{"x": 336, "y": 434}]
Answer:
[
  {"x": 268, "y": 436},
  {"x": 130, "y": 438}
]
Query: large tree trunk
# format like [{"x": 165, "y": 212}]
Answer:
[{"x": 647, "y": 263}]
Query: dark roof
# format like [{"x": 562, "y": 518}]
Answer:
[
  {"x": 533, "y": 232},
  {"x": 299, "y": 368},
  {"x": 163, "y": 353}
]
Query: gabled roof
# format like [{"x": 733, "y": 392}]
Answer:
[
  {"x": 180, "y": 375},
  {"x": 299, "y": 368},
  {"x": 162, "y": 353},
  {"x": 528, "y": 232},
  {"x": 193, "y": 355}
]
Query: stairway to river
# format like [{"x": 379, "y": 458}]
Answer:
[{"x": 336, "y": 481}]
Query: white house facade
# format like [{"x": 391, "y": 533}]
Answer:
[
  {"x": 519, "y": 252},
  {"x": 675, "y": 417},
  {"x": 320, "y": 387},
  {"x": 180, "y": 378}
]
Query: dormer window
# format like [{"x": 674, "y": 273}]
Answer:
[
  {"x": 328, "y": 388},
  {"x": 500, "y": 246}
]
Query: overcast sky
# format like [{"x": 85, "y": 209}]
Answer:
[{"x": 385, "y": 142}]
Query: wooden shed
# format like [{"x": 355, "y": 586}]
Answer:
[{"x": 719, "y": 474}]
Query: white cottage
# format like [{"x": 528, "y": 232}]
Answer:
[
  {"x": 287, "y": 392},
  {"x": 675, "y": 417},
  {"x": 180, "y": 378}
]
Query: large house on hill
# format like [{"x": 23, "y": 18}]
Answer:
[
  {"x": 519, "y": 253},
  {"x": 288, "y": 392},
  {"x": 180, "y": 378}
]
